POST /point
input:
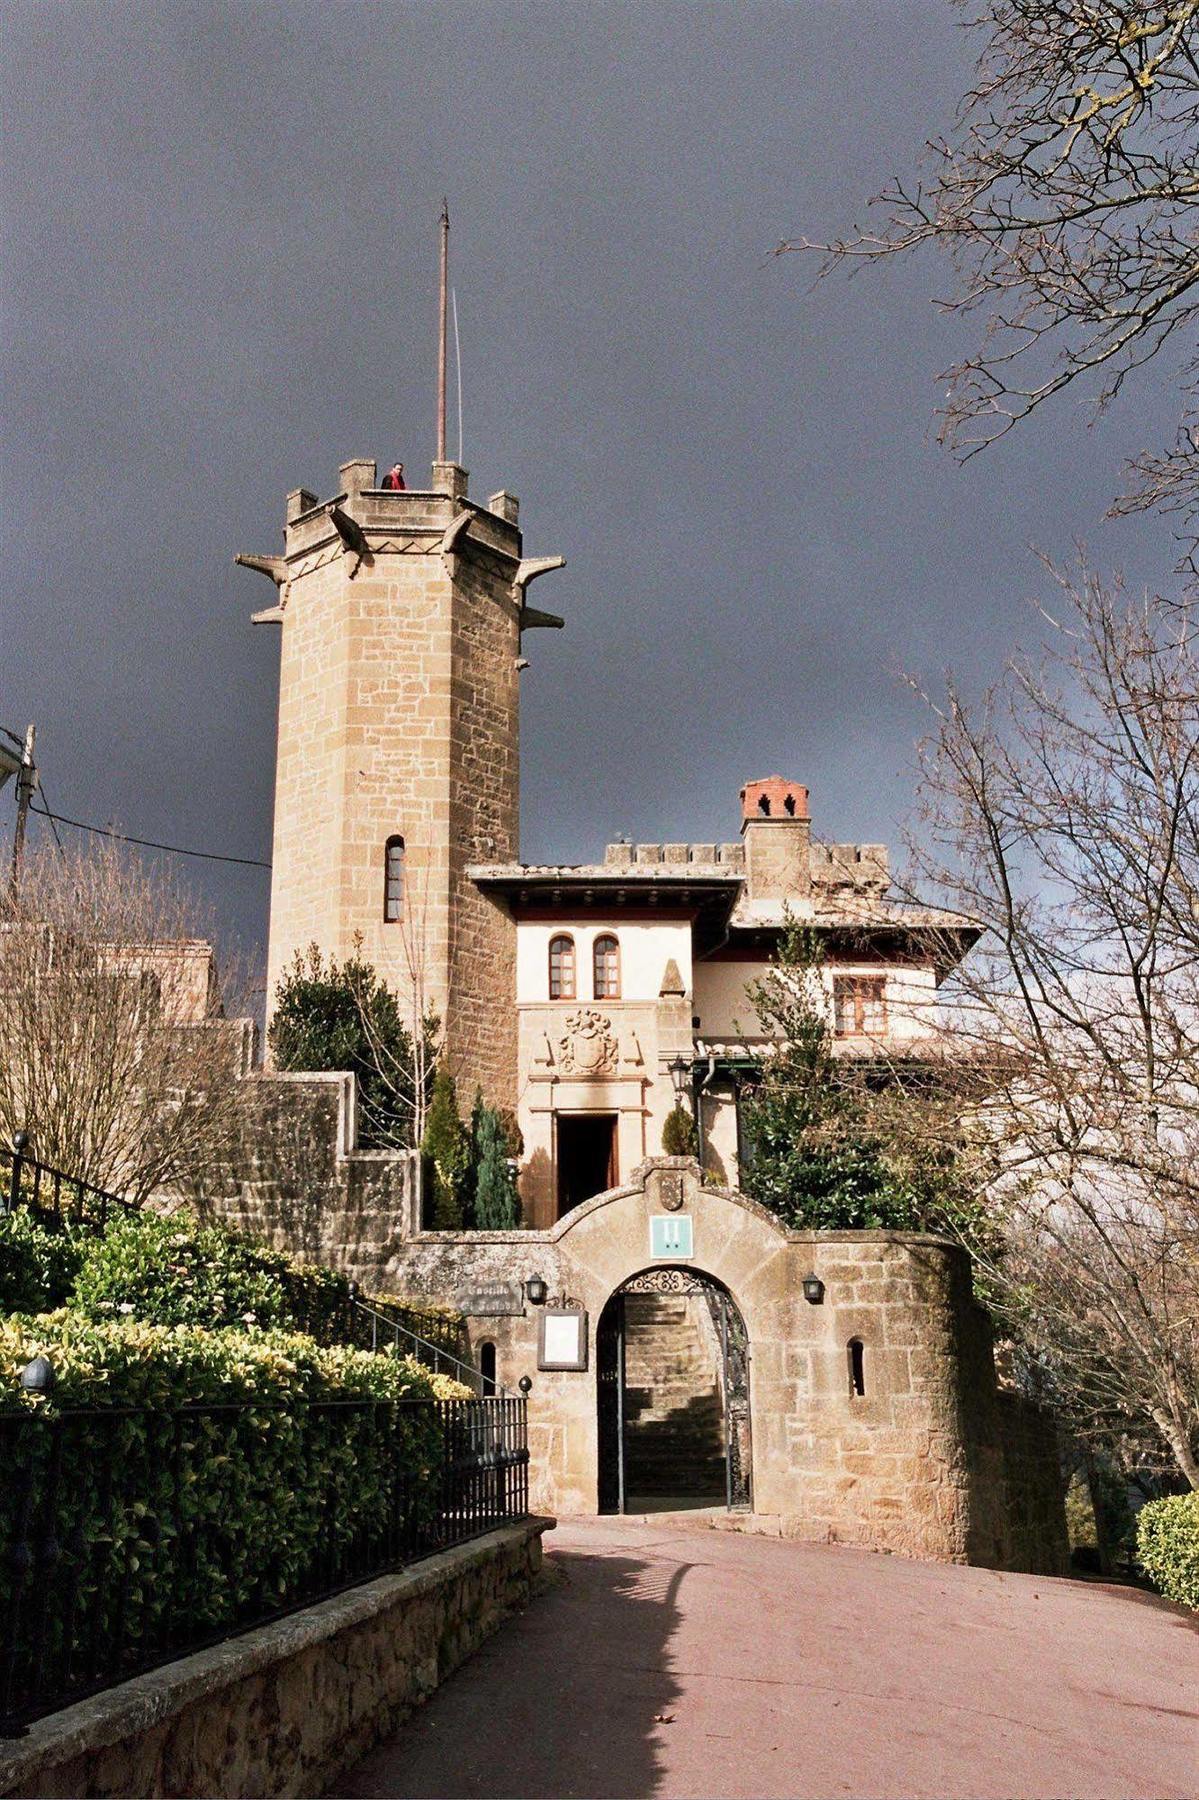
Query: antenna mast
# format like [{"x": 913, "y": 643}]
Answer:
[{"x": 441, "y": 335}]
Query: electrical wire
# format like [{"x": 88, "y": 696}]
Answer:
[
  {"x": 47, "y": 814},
  {"x": 248, "y": 862}
]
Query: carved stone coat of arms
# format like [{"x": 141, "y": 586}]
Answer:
[{"x": 587, "y": 1045}]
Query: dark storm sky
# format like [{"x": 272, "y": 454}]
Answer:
[{"x": 219, "y": 271}]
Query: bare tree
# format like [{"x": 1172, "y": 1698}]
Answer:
[
  {"x": 1061, "y": 814},
  {"x": 115, "y": 1055},
  {"x": 1065, "y": 196},
  {"x": 409, "y": 1077}
]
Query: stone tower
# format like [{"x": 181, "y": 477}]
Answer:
[{"x": 398, "y": 747}]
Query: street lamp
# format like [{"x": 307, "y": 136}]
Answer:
[
  {"x": 536, "y": 1292},
  {"x": 813, "y": 1289}
]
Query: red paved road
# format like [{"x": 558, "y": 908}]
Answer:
[{"x": 681, "y": 1662}]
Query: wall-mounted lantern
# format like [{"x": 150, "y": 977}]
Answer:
[
  {"x": 813, "y": 1290},
  {"x": 536, "y": 1291},
  {"x": 679, "y": 1069}
]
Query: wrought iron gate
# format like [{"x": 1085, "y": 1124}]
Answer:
[{"x": 734, "y": 1382}]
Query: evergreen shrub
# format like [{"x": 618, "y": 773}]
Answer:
[
  {"x": 39, "y": 1261},
  {"x": 173, "y": 1271},
  {"x": 496, "y": 1201},
  {"x": 1168, "y": 1546},
  {"x": 176, "y": 1271},
  {"x": 201, "y": 1517},
  {"x": 447, "y": 1151},
  {"x": 342, "y": 1016},
  {"x": 678, "y": 1132}
]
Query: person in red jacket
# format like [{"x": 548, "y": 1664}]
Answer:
[{"x": 394, "y": 479}]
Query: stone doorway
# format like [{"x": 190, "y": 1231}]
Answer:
[
  {"x": 586, "y": 1157},
  {"x": 672, "y": 1365}
]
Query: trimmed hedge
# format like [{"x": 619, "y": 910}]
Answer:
[
  {"x": 175, "y": 1271},
  {"x": 1168, "y": 1546},
  {"x": 175, "y": 1518}
]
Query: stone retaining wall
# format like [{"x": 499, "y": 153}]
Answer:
[
  {"x": 287, "y": 1708},
  {"x": 295, "y": 1178}
]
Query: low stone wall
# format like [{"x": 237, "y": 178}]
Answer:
[{"x": 287, "y": 1708}]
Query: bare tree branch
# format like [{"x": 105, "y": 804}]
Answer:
[{"x": 1066, "y": 198}]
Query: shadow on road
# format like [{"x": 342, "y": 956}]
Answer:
[{"x": 566, "y": 1700}]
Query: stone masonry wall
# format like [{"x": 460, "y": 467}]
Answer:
[
  {"x": 399, "y": 715},
  {"x": 484, "y": 812},
  {"x": 931, "y": 1460},
  {"x": 294, "y": 1179},
  {"x": 919, "y": 1463},
  {"x": 286, "y": 1709}
]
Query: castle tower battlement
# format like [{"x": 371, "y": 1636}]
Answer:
[{"x": 401, "y": 616}]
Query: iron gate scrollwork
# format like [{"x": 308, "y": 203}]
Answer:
[{"x": 731, "y": 1335}]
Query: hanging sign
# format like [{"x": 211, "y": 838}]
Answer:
[
  {"x": 562, "y": 1338},
  {"x": 671, "y": 1235}
]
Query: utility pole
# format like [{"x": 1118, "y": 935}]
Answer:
[
  {"x": 441, "y": 339},
  {"x": 26, "y": 783}
]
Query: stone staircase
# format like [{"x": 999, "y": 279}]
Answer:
[{"x": 674, "y": 1415}]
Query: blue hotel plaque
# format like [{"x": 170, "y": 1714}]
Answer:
[{"x": 670, "y": 1235}]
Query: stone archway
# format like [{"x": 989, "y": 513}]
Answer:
[{"x": 672, "y": 1395}]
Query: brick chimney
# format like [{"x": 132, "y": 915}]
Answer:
[{"x": 778, "y": 835}]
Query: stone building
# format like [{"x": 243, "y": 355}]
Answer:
[{"x": 683, "y": 1347}]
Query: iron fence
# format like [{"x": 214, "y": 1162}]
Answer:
[
  {"x": 67, "y": 1198},
  {"x": 131, "y": 1536}
]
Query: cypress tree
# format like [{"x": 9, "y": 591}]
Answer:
[
  {"x": 447, "y": 1152},
  {"x": 497, "y": 1204}
]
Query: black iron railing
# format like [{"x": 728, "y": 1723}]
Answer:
[
  {"x": 130, "y": 1537},
  {"x": 378, "y": 1326},
  {"x": 26, "y": 1182}
]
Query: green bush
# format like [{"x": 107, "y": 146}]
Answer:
[
  {"x": 678, "y": 1132},
  {"x": 172, "y": 1271},
  {"x": 38, "y": 1262},
  {"x": 447, "y": 1153},
  {"x": 1168, "y": 1546},
  {"x": 496, "y": 1201},
  {"x": 342, "y": 1016},
  {"x": 192, "y": 1519}
]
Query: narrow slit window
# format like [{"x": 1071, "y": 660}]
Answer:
[
  {"x": 606, "y": 957},
  {"x": 562, "y": 968},
  {"x": 393, "y": 885},
  {"x": 487, "y": 1368},
  {"x": 857, "y": 1368}
]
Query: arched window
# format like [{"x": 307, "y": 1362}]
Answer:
[
  {"x": 487, "y": 1368},
  {"x": 606, "y": 966},
  {"x": 393, "y": 885},
  {"x": 562, "y": 967}
]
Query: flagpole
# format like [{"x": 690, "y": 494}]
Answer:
[{"x": 441, "y": 337}]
